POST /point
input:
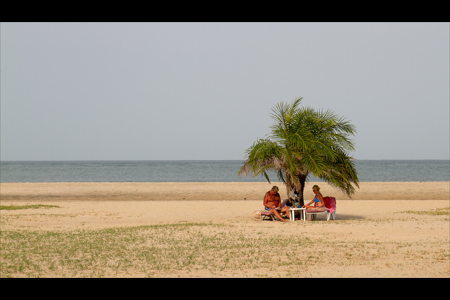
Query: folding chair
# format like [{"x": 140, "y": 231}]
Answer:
[{"x": 267, "y": 215}]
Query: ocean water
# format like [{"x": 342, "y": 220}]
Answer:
[{"x": 201, "y": 171}]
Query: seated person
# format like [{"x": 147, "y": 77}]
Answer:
[
  {"x": 272, "y": 201},
  {"x": 288, "y": 203},
  {"x": 295, "y": 195},
  {"x": 318, "y": 200}
]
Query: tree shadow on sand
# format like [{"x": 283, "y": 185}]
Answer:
[{"x": 339, "y": 217}]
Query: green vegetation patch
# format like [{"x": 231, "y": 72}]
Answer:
[
  {"x": 16, "y": 207},
  {"x": 435, "y": 212}
]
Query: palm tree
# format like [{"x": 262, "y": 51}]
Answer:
[{"x": 304, "y": 141}]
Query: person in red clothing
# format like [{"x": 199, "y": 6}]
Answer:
[{"x": 272, "y": 201}]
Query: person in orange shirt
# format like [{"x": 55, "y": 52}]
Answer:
[{"x": 272, "y": 201}]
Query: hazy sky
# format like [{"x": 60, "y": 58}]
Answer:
[{"x": 187, "y": 91}]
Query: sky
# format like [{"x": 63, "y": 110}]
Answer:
[{"x": 205, "y": 91}]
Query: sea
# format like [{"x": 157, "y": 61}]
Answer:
[{"x": 202, "y": 171}]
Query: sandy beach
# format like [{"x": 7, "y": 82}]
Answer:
[{"x": 387, "y": 229}]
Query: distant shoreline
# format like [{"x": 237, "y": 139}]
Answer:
[{"x": 204, "y": 171}]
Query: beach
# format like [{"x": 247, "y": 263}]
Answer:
[
  {"x": 387, "y": 229},
  {"x": 163, "y": 191}
]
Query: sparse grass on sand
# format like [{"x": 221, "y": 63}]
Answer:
[
  {"x": 443, "y": 211},
  {"x": 215, "y": 250}
]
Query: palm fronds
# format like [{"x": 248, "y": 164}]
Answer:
[{"x": 304, "y": 141}]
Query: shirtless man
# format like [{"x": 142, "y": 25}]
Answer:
[{"x": 272, "y": 200}]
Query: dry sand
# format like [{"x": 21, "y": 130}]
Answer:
[{"x": 377, "y": 213}]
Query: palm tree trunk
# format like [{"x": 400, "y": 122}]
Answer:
[
  {"x": 301, "y": 180},
  {"x": 289, "y": 184}
]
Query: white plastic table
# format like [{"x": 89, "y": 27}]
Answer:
[{"x": 292, "y": 212}]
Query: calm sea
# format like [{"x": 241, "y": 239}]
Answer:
[{"x": 201, "y": 171}]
